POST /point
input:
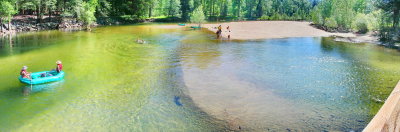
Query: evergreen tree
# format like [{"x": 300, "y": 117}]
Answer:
[{"x": 185, "y": 8}]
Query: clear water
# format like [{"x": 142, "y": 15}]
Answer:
[{"x": 185, "y": 80}]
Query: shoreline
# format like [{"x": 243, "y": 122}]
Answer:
[
  {"x": 255, "y": 30},
  {"x": 244, "y": 30}
]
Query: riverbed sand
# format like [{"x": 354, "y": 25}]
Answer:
[{"x": 251, "y": 30}]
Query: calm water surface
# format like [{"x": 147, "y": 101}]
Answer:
[{"x": 185, "y": 80}]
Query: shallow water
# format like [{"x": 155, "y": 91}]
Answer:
[{"x": 185, "y": 80}]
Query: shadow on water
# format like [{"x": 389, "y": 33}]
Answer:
[{"x": 174, "y": 93}]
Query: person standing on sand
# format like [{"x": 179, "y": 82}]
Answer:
[
  {"x": 219, "y": 32},
  {"x": 228, "y": 28}
]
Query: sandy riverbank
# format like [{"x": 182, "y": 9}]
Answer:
[{"x": 280, "y": 29}]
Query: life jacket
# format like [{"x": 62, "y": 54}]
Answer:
[
  {"x": 59, "y": 68},
  {"x": 23, "y": 73}
]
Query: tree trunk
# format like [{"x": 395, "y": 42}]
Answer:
[
  {"x": 150, "y": 12},
  {"x": 259, "y": 8},
  {"x": 1, "y": 25},
  {"x": 170, "y": 8},
  {"x": 9, "y": 26},
  {"x": 65, "y": 1},
  {"x": 185, "y": 8},
  {"x": 395, "y": 17},
  {"x": 38, "y": 14},
  {"x": 239, "y": 5},
  {"x": 49, "y": 15},
  {"x": 213, "y": 8},
  {"x": 210, "y": 9}
]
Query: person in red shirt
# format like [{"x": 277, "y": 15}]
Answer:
[
  {"x": 59, "y": 66},
  {"x": 24, "y": 73}
]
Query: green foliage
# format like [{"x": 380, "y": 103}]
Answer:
[
  {"x": 374, "y": 20},
  {"x": 339, "y": 15},
  {"x": 173, "y": 8},
  {"x": 360, "y": 6},
  {"x": 89, "y": 10},
  {"x": 276, "y": 16},
  {"x": 28, "y": 6},
  {"x": 389, "y": 26},
  {"x": 367, "y": 22},
  {"x": 185, "y": 8},
  {"x": 343, "y": 13},
  {"x": 104, "y": 8},
  {"x": 335, "y": 13},
  {"x": 7, "y": 10},
  {"x": 141, "y": 9},
  {"x": 197, "y": 15},
  {"x": 361, "y": 16},
  {"x": 331, "y": 23},
  {"x": 264, "y": 17},
  {"x": 85, "y": 11},
  {"x": 361, "y": 23},
  {"x": 316, "y": 17},
  {"x": 50, "y": 4}
]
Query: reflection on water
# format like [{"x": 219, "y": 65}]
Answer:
[{"x": 185, "y": 81}]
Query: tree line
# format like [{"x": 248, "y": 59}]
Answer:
[
  {"x": 336, "y": 15},
  {"x": 142, "y": 9},
  {"x": 360, "y": 16}
]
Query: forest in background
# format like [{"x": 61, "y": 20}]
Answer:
[{"x": 360, "y": 16}]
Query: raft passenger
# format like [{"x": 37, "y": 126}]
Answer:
[
  {"x": 24, "y": 73},
  {"x": 59, "y": 66}
]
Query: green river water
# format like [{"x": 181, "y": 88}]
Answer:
[{"x": 186, "y": 80}]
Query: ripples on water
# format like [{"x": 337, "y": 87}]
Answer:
[{"x": 187, "y": 81}]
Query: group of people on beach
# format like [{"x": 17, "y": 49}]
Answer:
[
  {"x": 25, "y": 74},
  {"x": 219, "y": 32}
]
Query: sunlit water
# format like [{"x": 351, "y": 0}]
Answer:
[{"x": 185, "y": 80}]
